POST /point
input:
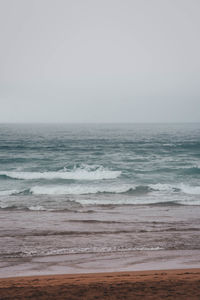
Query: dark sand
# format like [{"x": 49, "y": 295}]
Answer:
[{"x": 162, "y": 284}]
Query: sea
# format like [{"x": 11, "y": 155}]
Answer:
[{"x": 77, "y": 197}]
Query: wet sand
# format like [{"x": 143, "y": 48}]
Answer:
[{"x": 162, "y": 284}]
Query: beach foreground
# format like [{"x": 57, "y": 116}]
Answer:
[{"x": 162, "y": 284}]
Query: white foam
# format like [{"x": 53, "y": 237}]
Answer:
[
  {"x": 186, "y": 189},
  {"x": 162, "y": 187},
  {"x": 124, "y": 201},
  {"x": 8, "y": 192},
  {"x": 100, "y": 250},
  {"x": 3, "y": 206},
  {"x": 78, "y": 189},
  {"x": 36, "y": 208},
  {"x": 81, "y": 173},
  {"x": 78, "y": 250},
  {"x": 148, "y": 249},
  {"x": 192, "y": 190}
]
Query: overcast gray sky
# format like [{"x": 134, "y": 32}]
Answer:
[{"x": 99, "y": 61}]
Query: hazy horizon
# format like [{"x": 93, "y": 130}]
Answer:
[{"x": 96, "y": 123}]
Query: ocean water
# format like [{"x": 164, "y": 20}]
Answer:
[{"x": 88, "y": 188}]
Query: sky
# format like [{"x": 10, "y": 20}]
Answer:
[{"x": 99, "y": 61}]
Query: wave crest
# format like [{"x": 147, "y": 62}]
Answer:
[
  {"x": 184, "y": 188},
  {"x": 8, "y": 192},
  {"x": 84, "y": 172},
  {"x": 84, "y": 189},
  {"x": 79, "y": 189}
]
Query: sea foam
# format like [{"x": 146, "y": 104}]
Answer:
[
  {"x": 186, "y": 189},
  {"x": 192, "y": 190},
  {"x": 84, "y": 189},
  {"x": 8, "y": 192},
  {"x": 79, "y": 250},
  {"x": 36, "y": 208},
  {"x": 77, "y": 173},
  {"x": 78, "y": 189}
]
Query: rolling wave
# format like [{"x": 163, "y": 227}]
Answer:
[
  {"x": 186, "y": 189},
  {"x": 77, "y": 173},
  {"x": 86, "y": 189},
  {"x": 9, "y": 192},
  {"x": 122, "y": 189},
  {"x": 79, "y": 189}
]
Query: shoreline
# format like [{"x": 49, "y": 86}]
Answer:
[
  {"x": 103, "y": 262},
  {"x": 150, "y": 284}
]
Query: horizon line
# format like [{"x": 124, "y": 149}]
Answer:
[{"x": 65, "y": 122}]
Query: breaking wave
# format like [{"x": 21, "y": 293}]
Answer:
[
  {"x": 127, "y": 189},
  {"x": 186, "y": 189},
  {"x": 83, "y": 172},
  {"x": 84, "y": 189},
  {"x": 8, "y": 192},
  {"x": 36, "y": 208},
  {"x": 78, "y": 190}
]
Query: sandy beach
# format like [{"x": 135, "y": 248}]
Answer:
[{"x": 162, "y": 284}]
